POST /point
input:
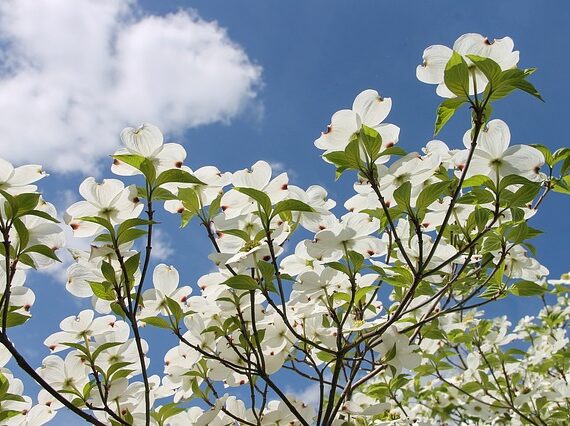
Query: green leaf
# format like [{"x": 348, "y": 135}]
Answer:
[
  {"x": 267, "y": 271},
  {"x": 352, "y": 152},
  {"x": 356, "y": 259},
  {"x": 371, "y": 141},
  {"x": 169, "y": 410},
  {"x": 157, "y": 322},
  {"x": 12, "y": 397},
  {"x": 488, "y": 67},
  {"x": 103, "y": 238},
  {"x": 117, "y": 366},
  {"x": 393, "y": 150},
  {"x": 339, "y": 159},
  {"x": 43, "y": 250},
  {"x": 523, "y": 195},
  {"x": 23, "y": 233},
  {"x": 430, "y": 194},
  {"x": 399, "y": 382},
  {"x": 81, "y": 348},
  {"x": 215, "y": 207},
  {"x": 41, "y": 214},
  {"x": 478, "y": 180},
  {"x": 175, "y": 309},
  {"x": 103, "y": 291},
  {"x": 481, "y": 216},
  {"x": 105, "y": 223},
  {"x": 492, "y": 242},
  {"x": 562, "y": 185},
  {"x": 477, "y": 196},
  {"x": 362, "y": 291},
  {"x": 446, "y": 110},
  {"x": 402, "y": 195},
  {"x": 12, "y": 203},
  {"x": 527, "y": 288},
  {"x": 520, "y": 232},
  {"x": 104, "y": 347},
  {"x": 117, "y": 310},
  {"x": 130, "y": 235},
  {"x": 15, "y": 319},
  {"x": 7, "y": 414},
  {"x": 4, "y": 385},
  {"x": 512, "y": 79},
  {"x": 26, "y": 260},
  {"x": 132, "y": 264},
  {"x": 148, "y": 170},
  {"x": 338, "y": 266},
  {"x": 131, "y": 223},
  {"x": 189, "y": 199},
  {"x": 528, "y": 87},
  {"x": 456, "y": 75},
  {"x": 130, "y": 159},
  {"x": 108, "y": 272},
  {"x": 497, "y": 278},
  {"x": 513, "y": 180},
  {"x": 162, "y": 194},
  {"x": 142, "y": 192},
  {"x": 178, "y": 176},
  {"x": 185, "y": 218},
  {"x": 390, "y": 355},
  {"x": 237, "y": 233},
  {"x": 402, "y": 278},
  {"x": 259, "y": 196},
  {"x": 27, "y": 201},
  {"x": 471, "y": 387},
  {"x": 560, "y": 155},
  {"x": 291, "y": 206},
  {"x": 241, "y": 282}
]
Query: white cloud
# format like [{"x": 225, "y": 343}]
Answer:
[
  {"x": 278, "y": 167},
  {"x": 161, "y": 247},
  {"x": 309, "y": 395},
  {"x": 73, "y": 73}
]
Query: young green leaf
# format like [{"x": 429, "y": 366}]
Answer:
[
  {"x": 259, "y": 196},
  {"x": 178, "y": 176},
  {"x": 291, "y": 206},
  {"x": 241, "y": 282},
  {"x": 527, "y": 288},
  {"x": 402, "y": 195},
  {"x": 456, "y": 75},
  {"x": 371, "y": 141},
  {"x": 488, "y": 67},
  {"x": 446, "y": 110}
]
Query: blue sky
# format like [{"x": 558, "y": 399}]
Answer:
[{"x": 315, "y": 56}]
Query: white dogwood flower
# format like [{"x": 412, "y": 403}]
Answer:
[
  {"x": 109, "y": 200},
  {"x": 368, "y": 108},
  {"x": 19, "y": 180},
  {"x": 147, "y": 141},
  {"x": 494, "y": 157},
  {"x": 435, "y": 59}
]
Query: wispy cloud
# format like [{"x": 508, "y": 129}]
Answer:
[
  {"x": 278, "y": 167},
  {"x": 73, "y": 73},
  {"x": 161, "y": 247},
  {"x": 309, "y": 395}
]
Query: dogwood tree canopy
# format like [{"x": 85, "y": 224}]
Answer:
[{"x": 377, "y": 308}]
